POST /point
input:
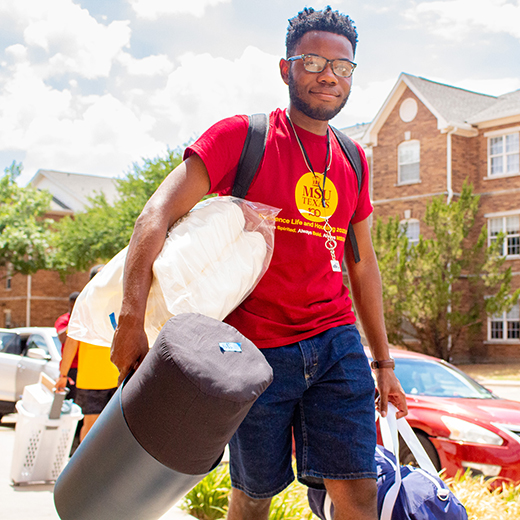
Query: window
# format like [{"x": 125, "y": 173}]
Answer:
[
  {"x": 412, "y": 228},
  {"x": 36, "y": 341},
  {"x": 409, "y": 156},
  {"x": 504, "y": 154},
  {"x": 510, "y": 227},
  {"x": 506, "y": 325},
  {"x": 7, "y": 318}
]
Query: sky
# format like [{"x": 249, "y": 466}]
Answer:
[{"x": 95, "y": 86}]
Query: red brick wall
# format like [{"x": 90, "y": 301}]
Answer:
[
  {"x": 49, "y": 297},
  {"x": 469, "y": 161}
]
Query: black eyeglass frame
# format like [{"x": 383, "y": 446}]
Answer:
[{"x": 303, "y": 56}]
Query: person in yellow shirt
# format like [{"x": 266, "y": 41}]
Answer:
[{"x": 96, "y": 379}]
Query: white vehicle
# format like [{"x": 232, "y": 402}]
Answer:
[{"x": 24, "y": 353}]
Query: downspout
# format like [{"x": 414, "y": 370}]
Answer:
[
  {"x": 449, "y": 186},
  {"x": 28, "y": 307},
  {"x": 449, "y": 172}
]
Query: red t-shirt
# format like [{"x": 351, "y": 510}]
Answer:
[
  {"x": 299, "y": 295},
  {"x": 61, "y": 325}
]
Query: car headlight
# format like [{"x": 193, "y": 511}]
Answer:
[{"x": 465, "y": 431}]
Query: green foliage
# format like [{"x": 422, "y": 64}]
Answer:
[
  {"x": 208, "y": 500},
  {"x": 443, "y": 286},
  {"x": 24, "y": 233},
  {"x": 100, "y": 232}
]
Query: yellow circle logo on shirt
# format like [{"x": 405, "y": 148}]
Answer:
[{"x": 309, "y": 197}]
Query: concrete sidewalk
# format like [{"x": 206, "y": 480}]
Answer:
[{"x": 35, "y": 501}]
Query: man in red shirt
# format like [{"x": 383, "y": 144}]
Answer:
[
  {"x": 299, "y": 314},
  {"x": 61, "y": 325}
]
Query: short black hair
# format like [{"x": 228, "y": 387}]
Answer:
[
  {"x": 95, "y": 270},
  {"x": 326, "y": 20},
  {"x": 73, "y": 296}
]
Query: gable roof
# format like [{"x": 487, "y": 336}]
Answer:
[
  {"x": 454, "y": 108},
  {"x": 71, "y": 191},
  {"x": 505, "y": 106}
]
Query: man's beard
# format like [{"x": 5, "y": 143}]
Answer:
[{"x": 319, "y": 113}]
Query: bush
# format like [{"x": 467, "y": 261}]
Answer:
[{"x": 208, "y": 500}]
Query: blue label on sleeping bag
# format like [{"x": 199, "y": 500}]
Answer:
[{"x": 230, "y": 347}]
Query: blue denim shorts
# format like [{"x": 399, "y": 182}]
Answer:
[{"x": 323, "y": 393}]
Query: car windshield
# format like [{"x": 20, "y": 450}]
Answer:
[{"x": 430, "y": 378}]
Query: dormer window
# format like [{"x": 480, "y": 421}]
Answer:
[{"x": 409, "y": 157}]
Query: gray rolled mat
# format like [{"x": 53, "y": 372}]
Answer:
[{"x": 167, "y": 426}]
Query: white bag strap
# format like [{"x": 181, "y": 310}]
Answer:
[
  {"x": 389, "y": 423},
  {"x": 390, "y": 426}
]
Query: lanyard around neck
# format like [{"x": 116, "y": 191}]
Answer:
[{"x": 328, "y": 159}]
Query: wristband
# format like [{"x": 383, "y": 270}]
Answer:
[{"x": 384, "y": 363}]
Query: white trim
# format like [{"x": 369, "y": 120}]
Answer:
[
  {"x": 503, "y": 131},
  {"x": 503, "y": 213},
  {"x": 500, "y": 176},
  {"x": 409, "y": 197}
]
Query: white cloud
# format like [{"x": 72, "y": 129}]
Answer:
[
  {"x": 364, "y": 102},
  {"x": 456, "y": 19},
  {"x": 153, "y": 9},
  {"x": 204, "y": 89},
  {"x": 72, "y": 39},
  {"x": 491, "y": 86},
  {"x": 157, "y": 65}
]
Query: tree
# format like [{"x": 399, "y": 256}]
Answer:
[
  {"x": 443, "y": 286},
  {"x": 102, "y": 230},
  {"x": 24, "y": 232}
]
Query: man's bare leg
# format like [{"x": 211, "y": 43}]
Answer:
[
  {"x": 242, "y": 507},
  {"x": 353, "y": 499}
]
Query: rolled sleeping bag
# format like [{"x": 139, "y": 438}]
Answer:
[{"x": 167, "y": 427}]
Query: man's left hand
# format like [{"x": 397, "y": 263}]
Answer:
[{"x": 390, "y": 390}]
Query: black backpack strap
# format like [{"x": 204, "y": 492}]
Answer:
[
  {"x": 252, "y": 154},
  {"x": 352, "y": 153}
]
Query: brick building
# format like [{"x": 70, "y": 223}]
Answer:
[
  {"x": 425, "y": 141},
  {"x": 39, "y": 299}
]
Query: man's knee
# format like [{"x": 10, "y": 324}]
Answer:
[
  {"x": 353, "y": 498},
  {"x": 242, "y": 507}
]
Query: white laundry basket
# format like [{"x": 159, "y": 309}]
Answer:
[{"x": 42, "y": 445}]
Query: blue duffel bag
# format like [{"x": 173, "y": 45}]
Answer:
[{"x": 413, "y": 493}]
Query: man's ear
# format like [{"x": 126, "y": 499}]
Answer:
[{"x": 284, "y": 70}]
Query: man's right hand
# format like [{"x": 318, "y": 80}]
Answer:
[{"x": 129, "y": 348}]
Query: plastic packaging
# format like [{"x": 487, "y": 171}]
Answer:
[{"x": 211, "y": 260}]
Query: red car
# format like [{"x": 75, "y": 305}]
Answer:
[{"x": 460, "y": 423}]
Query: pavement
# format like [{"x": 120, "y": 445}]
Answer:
[{"x": 34, "y": 501}]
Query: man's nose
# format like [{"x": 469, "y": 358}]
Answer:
[{"x": 327, "y": 74}]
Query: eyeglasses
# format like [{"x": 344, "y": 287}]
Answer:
[{"x": 312, "y": 63}]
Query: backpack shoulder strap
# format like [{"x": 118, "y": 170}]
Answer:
[
  {"x": 252, "y": 154},
  {"x": 351, "y": 151}
]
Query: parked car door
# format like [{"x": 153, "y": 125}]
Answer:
[{"x": 10, "y": 350}]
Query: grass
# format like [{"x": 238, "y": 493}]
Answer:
[
  {"x": 209, "y": 499},
  {"x": 482, "y": 502}
]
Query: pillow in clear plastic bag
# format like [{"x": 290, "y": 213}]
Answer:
[{"x": 211, "y": 261}]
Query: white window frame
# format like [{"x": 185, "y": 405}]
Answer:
[
  {"x": 411, "y": 224},
  {"x": 510, "y": 325},
  {"x": 408, "y": 144},
  {"x": 505, "y": 155},
  {"x": 512, "y": 238}
]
